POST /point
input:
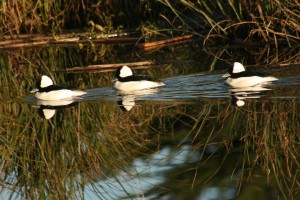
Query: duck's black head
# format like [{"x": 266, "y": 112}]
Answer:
[
  {"x": 38, "y": 84},
  {"x": 117, "y": 73},
  {"x": 230, "y": 69}
]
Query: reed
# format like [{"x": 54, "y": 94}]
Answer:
[{"x": 237, "y": 22}]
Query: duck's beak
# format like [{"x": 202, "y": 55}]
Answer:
[
  {"x": 226, "y": 75},
  {"x": 34, "y": 90}
]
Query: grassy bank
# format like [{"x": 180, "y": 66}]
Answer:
[{"x": 227, "y": 21}]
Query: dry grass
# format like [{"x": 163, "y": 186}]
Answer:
[{"x": 237, "y": 22}]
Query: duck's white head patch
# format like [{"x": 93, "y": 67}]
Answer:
[
  {"x": 238, "y": 67},
  {"x": 125, "y": 71},
  {"x": 46, "y": 81}
]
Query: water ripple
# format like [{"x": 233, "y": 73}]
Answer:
[{"x": 194, "y": 86}]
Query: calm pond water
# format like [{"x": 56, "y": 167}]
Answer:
[{"x": 194, "y": 138}]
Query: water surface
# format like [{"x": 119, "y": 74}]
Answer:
[{"x": 195, "y": 138}]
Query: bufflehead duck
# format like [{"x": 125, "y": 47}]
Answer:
[
  {"x": 238, "y": 77},
  {"x": 46, "y": 90},
  {"x": 126, "y": 81}
]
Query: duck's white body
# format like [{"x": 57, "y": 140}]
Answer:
[
  {"x": 127, "y": 82},
  {"x": 238, "y": 77},
  {"x": 46, "y": 90},
  {"x": 137, "y": 85},
  {"x": 59, "y": 94},
  {"x": 249, "y": 81}
]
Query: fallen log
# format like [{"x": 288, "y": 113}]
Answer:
[
  {"x": 105, "y": 67},
  {"x": 163, "y": 43}
]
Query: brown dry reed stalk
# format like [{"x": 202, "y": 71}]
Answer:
[{"x": 244, "y": 21}]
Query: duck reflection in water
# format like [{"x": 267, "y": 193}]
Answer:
[
  {"x": 47, "y": 109},
  {"x": 127, "y": 99},
  {"x": 127, "y": 102},
  {"x": 238, "y": 95}
]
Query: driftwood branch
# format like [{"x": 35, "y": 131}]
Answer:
[
  {"x": 14, "y": 44},
  {"x": 73, "y": 39},
  {"x": 105, "y": 67},
  {"x": 163, "y": 43}
]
